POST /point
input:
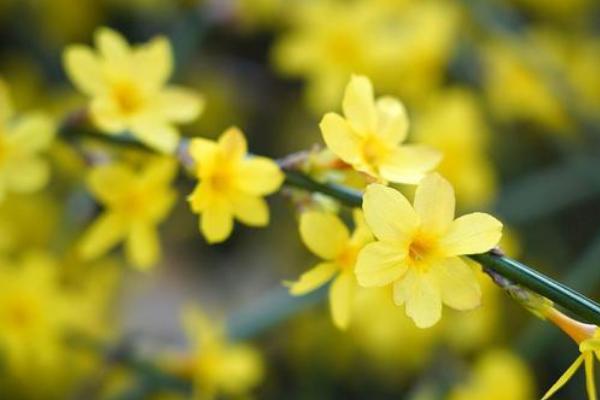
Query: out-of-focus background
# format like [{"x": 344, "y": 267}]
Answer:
[{"x": 508, "y": 90}]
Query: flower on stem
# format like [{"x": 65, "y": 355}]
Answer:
[
  {"x": 370, "y": 134},
  {"x": 588, "y": 338},
  {"x": 128, "y": 88},
  {"x": 219, "y": 367},
  {"x": 418, "y": 248},
  {"x": 22, "y": 139},
  {"x": 327, "y": 237},
  {"x": 135, "y": 203},
  {"x": 231, "y": 184}
]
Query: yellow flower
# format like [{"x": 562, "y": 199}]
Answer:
[
  {"x": 327, "y": 237},
  {"x": 128, "y": 88},
  {"x": 38, "y": 312},
  {"x": 418, "y": 249},
  {"x": 219, "y": 367},
  {"x": 530, "y": 98},
  {"x": 135, "y": 203},
  {"x": 327, "y": 42},
  {"x": 369, "y": 136},
  {"x": 589, "y": 346},
  {"x": 497, "y": 375},
  {"x": 22, "y": 138},
  {"x": 231, "y": 184}
]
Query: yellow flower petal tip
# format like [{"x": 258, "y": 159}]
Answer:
[
  {"x": 128, "y": 88},
  {"x": 370, "y": 134},
  {"x": 419, "y": 247},
  {"x": 326, "y": 236},
  {"x": 232, "y": 185}
]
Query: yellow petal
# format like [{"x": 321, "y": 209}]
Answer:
[
  {"x": 107, "y": 115},
  {"x": 32, "y": 133},
  {"x": 163, "y": 200},
  {"x": 340, "y": 138},
  {"x": 26, "y": 175},
  {"x": 341, "y": 294},
  {"x": 564, "y": 378},
  {"x": 259, "y": 176},
  {"x": 201, "y": 149},
  {"x": 84, "y": 69},
  {"x": 233, "y": 144},
  {"x": 313, "y": 278},
  {"x": 142, "y": 245},
  {"x": 323, "y": 233},
  {"x": 112, "y": 45},
  {"x": 216, "y": 223},
  {"x": 157, "y": 135},
  {"x": 361, "y": 234},
  {"x": 154, "y": 61},
  {"x": 108, "y": 182},
  {"x": 389, "y": 214},
  {"x": 380, "y": 264},
  {"x": 392, "y": 120},
  {"x": 423, "y": 300},
  {"x": 180, "y": 104},
  {"x": 104, "y": 233},
  {"x": 201, "y": 198},
  {"x": 251, "y": 210},
  {"x": 159, "y": 171},
  {"x": 590, "y": 383},
  {"x": 458, "y": 284},
  {"x": 434, "y": 202},
  {"x": 409, "y": 164},
  {"x": 359, "y": 105},
  {"x": 239, "y": 368},
  {"x": 471, "y": 234}
]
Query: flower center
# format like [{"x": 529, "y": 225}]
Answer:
[
  {"x": 21, "y": 313},
  {"x": 127, "y": 96},
  {"x": 420, "y": 249},
  {"x": 220, "y": 181},
  {"x": 374, "y": 150},
  {"x": 347, "y": 258}
]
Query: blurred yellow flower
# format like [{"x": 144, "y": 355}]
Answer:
[
  {"x": 328, "y": 41},
  {"x": 530, "y": 97},
  {"x": 219, "y": 367},
  {"x": 128, "y": 88},
  {"x": 418, "y": 249},
  {"x": 37, "y": 313},
  {"x": 453, "y": 123},
  {"x": 327, "y": 237},
  {"x": 135, "y": 203},
  {"x": 231, "y": 184},
  {"x": 22, "y": 139},
  {"x": 497, "y": 375},
  {"x": 589, "y": 348},
  {"x": 369, "y": 136}
]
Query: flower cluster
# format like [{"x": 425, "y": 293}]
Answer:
[{"x": 419, "y": 248}]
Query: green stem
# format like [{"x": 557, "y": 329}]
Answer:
[{"x": 519, "y": 273}]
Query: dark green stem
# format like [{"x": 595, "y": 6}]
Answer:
[{"x": 516, "y": 272}]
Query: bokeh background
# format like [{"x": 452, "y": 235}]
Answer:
[{"x": 509, "y": 90}]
